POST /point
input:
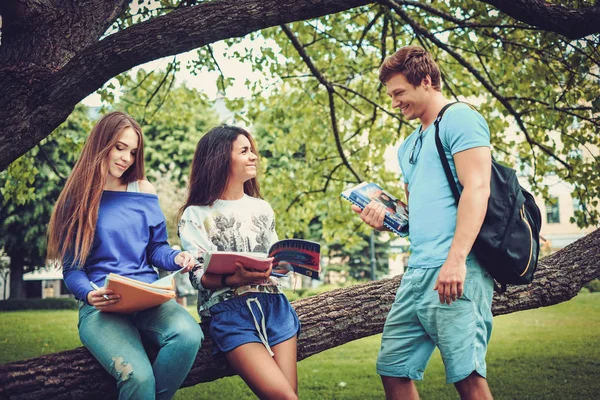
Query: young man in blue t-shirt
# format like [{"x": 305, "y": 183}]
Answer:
[{"x": 445, "y": 296}]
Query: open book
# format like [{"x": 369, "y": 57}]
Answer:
[
  {"x": 297, "y": 255},
  {"x": 396, "y": 214},
  {"x": 137, "y": 295}
]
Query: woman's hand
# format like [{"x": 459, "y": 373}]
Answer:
[
  {"x": 101, "y": 298},
  {"x": 244, "y": 276},
  {"x": 185, "y": 260}
]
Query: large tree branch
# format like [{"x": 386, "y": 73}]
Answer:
[
  {"x": 35, "y": 99},
  {"x": 573, "y": 23},
  {"x": 328, "y": 320},
  {"x": 49, "y": 32},
  {"x": 183, "y": 30}
]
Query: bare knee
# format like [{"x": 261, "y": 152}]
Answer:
[
  {"x": 473, "y": 387},
  {"x": 399, "y": 388},
  {"x": 283, "y": 395},
  {"x": 395, "y": 381},
  {"x": 290, "y": 396}
]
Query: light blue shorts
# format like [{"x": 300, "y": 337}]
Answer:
[{"x": 418, "y": 322}]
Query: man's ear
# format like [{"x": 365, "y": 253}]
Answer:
[{"x": 426, "y": 82}]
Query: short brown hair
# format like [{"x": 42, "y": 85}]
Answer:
[{"x": 415, "y": 63}]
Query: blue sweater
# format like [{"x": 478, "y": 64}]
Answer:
[{"x": 130, "y": 236}]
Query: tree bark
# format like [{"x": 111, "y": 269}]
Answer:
[
  {"x": 17, "y": 268},
  {"x": 44, "y": 78},
  {"x": 573, "y": 23},
  {"x": 328, "y": 320},
  {"x": 53, "y": 55}
]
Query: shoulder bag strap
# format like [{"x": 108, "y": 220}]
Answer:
[
  {"x": 442, "y": 154},
  {"x": 451, "y": 181}
]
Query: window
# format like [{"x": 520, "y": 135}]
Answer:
[{"x": 552, "y": 213}]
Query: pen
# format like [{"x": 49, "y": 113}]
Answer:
[{"x": 97, "y": 288}]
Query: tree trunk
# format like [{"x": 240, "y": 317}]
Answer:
[
  {"x": 5, "y": 283},
  {"x": 328, "y": 320},
  {"x": 17, "y": 268}
]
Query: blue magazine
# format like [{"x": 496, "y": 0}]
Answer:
[{"x": 396, "y": 216}]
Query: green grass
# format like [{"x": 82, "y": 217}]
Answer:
[{"x": 548, "y": 353}]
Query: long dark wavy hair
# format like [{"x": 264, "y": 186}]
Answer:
[{"x": 211, "y": 166}]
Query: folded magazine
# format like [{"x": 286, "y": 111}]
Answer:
[{"x": 396, "y": 215}]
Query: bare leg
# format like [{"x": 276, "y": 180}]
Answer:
[
  {"x": 399, "y": 388},
  {"x": 260, "y": 372},
  {"x": 474, "y": 387},
  {"x": 286, "y": 359}
]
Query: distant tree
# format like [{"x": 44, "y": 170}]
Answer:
[
  {"x": 173, "y": 118},
  {"x": 359, "y": 262},
  {"x": 4, "y": 272},
  {"x": 170, "y": 196},
  {"x": 28, "y": 190}
]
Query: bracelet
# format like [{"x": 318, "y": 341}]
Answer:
[{"x": 224, "y": 280}]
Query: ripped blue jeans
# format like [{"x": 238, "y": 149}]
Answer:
[{"x": 115, "y": 340}]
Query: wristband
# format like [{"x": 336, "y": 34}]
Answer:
[{"x": 224, "y": 280}]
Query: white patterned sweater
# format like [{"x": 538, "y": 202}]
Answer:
[{"x": 244, "y": 225}]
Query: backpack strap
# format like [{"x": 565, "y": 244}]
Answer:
[
  {"x": 442, "y": 154},
  {"x": 451, "y": 181}
]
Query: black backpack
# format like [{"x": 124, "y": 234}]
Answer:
[{"x": 508, "y": 243}]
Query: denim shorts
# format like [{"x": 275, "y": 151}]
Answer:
[
  {"x": 256, "y": 317},
  {"x": 418, "y": 322}
]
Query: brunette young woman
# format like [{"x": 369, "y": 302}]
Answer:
[
  {"x": 107, "y": 219},
  {"x": 251, "y": 320}
]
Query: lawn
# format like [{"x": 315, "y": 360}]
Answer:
[{"x": 548, "y": 353}]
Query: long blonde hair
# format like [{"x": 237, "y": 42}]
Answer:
[{"x": 73, "y": 221}]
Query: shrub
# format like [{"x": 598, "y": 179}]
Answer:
[
  {"x": 38, "y": 304},
  {"x": 593, "y": 286}
]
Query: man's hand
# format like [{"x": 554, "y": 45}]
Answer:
[
  {"x": 373, "y": 214},
  {"x": 450, "y": 281},
  {"x": 185, "y": 260}
]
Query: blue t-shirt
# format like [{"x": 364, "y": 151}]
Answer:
[
  {"x": 130, "y": 237},
  {"x": 431, "y": 206}
]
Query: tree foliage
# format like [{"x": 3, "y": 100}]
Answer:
[
  {"x": 53, "y": 56},
  {"x": 330, "y": 120},
  {"x": 172, "y": 117},
  {"x": 28, "y": 190}
]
